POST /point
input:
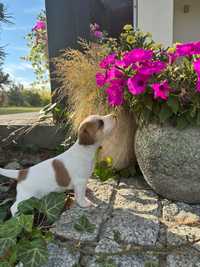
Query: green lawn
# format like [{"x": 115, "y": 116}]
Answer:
[{"x": 13, "y": 110}]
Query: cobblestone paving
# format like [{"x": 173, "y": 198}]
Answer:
[{"x": 131, "y": 227}]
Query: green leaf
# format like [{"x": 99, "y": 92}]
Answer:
[
  {"x": 26, "y": 221},
  {"x": 28, "y": 206},
  {"x": 9, "y": 231},
  {"x": 84, "y": 225},
  {"x": 165, "y": 114},
  {"x": 6, "y": 243},
  {"x": 5, "y": 264},
  {"x": 32, "y": 253},
  {"x": 10, "y": 228},
  {"x": 52, "y": 205},
  {"x": 173, "y": 103}
]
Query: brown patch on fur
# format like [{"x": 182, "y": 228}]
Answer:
[
  {"x": 22, "y": 175},
  {"x": 87, "y": 132},
  {"x": 62, "y": 176}
]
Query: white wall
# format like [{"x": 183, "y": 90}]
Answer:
[
  {"x": 186, "y": 25},
  {"x": 156, "y": 16}
]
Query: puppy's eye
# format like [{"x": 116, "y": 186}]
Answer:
[{"x": 101, "y": 123}]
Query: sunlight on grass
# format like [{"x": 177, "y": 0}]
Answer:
[{"x": 14, "y": 110}]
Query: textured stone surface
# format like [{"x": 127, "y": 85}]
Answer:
[
  {"x": 169, "y": 160},
  {"x": 180, "y": 213},
  {"x": 61, "y": 256},
  {"x": 185, "y": 259},
  {"x": 133, "y": 228},
  {"x": 136, "y": 182},
  {"x": 123, "y": 261},
  {"x": 100, "y": 195},
  {"x": 179, "y": 235},
  {"x": 133, "y": 220}
]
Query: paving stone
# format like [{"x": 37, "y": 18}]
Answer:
[
  {"x": 100, "y": 195},
  {"x": 187, "y": 259},
  {"x": 182, "y": 223},
  {"x": 136, "y": 182},
  {"x": 107, "y": 245},
  {"x": 180, "y": 213},
  {"x": 123, "y": 261},
  {"x": 134, "y": 219},
  {"x": 61, "y": 256},
  {"x": 140, "y": 202},
  {"x": 179, "y": 235}
]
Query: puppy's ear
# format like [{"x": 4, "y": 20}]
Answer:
[{"x": 87, "y": 132}]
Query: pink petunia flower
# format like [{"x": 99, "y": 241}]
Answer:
[
  {"x": 115, "y": 95},
  {"x": 161, "y": 90},
  {"x": 108, "y": 61},
  {"x": 137, "y": 84},
  {"x": 40, "y": 25},
  {"x": 114, "y": 73},
  {"x": 188, "y": 49},
  {"x": 120, "y": 63},
  {"x": 172, "y": 57},
  {"x": 198, "y": 84},
  {"x": 196, "y": 65},
  {"x": 100, "y": 79},
  {"x": 150, "y": 68},
  {"x": 184, "y": 49},
  {"x": 197, "y": 48},
  {"x": 137, "y": 55}
]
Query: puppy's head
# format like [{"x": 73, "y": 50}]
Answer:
[{"x": 95, "y": 128}]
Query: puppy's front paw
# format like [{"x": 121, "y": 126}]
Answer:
[{"x": 85, "y": 204}]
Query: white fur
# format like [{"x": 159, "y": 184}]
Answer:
[{"x": 79, "y": 162}]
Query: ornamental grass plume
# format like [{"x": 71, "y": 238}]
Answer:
[{"x": 76, "y": 71}]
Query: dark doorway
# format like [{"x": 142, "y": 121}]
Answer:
[
  {"x": 112, "y": 15},
  {"x": 69, "y": 19}
]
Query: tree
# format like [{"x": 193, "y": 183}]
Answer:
[{"x": 4, "y": 18}]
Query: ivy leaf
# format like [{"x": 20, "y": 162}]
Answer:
[
  {"x": 173, "y": 103},
  {"x": 52, "y": 205},
  {"x": 9, "y": 232},
  {"x": 84, "y": 225},
  {"x": 10, "y": 228},
  {"x": 28, "y": 206},
  {"x": 6, "y": 243},
  {"x": 165, "y": 113},
  {"x": 32, "y": 253},
  {"x": 3, "y": 212},
  {"x": 26, "y": 221},
  {"x": 5, "y": 264}
]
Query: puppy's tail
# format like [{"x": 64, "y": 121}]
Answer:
[{"x": 9, "y": 173}]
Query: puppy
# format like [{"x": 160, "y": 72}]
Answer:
[{"x": 69, "y": 170}]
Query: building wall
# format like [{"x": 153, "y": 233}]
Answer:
[
  {"x": 186, "y": 25},
  {"x": 156, "y": 16}
]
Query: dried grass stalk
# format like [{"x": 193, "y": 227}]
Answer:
[{"x": 76, "y": 73}]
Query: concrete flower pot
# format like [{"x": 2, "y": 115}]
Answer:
[{"x": 169, "y": 159}]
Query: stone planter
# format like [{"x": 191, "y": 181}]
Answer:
[{"x": 170, "y": 160}]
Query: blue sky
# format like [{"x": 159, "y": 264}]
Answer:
[{"x": 24, "y": 13}]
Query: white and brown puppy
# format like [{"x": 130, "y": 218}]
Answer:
[{"x": 69, "y": 170}]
